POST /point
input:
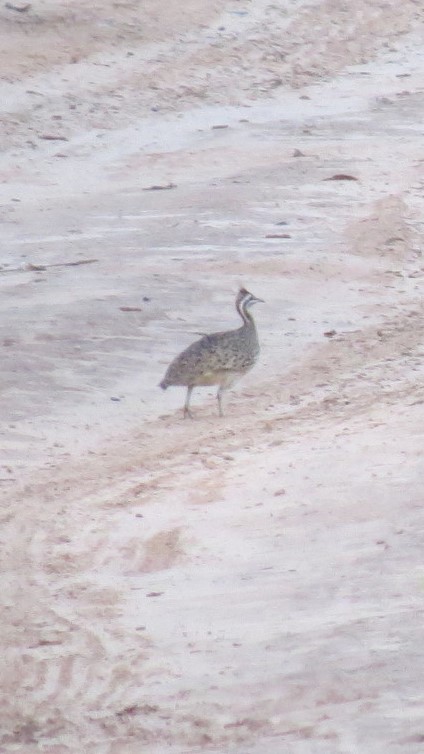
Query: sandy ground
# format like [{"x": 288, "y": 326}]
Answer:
[{"x": 246, "y": 585}]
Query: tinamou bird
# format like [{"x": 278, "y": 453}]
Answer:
[{"x": 219, "y": 358}]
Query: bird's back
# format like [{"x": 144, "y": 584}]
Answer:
[{"x": 232, "y": 351}]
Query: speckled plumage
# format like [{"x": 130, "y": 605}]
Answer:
[{"x": 219, "y": 358}]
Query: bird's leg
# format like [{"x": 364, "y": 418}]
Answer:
[
  {"x": 187, "y": 411},
  {"x": 219, "y": 397}
]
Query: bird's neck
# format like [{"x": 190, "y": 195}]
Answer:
[{"x": 245, "y": 315}]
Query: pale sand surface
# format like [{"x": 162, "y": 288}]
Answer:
[{"x": 250, "y": 585}]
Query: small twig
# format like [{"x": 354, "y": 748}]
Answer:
[
  {"x": 53, "y": 137},
  {"x": 30, "y": 267},
  {"x": 160, "y": 188},
  {"x": 278, "y": 235},
  {"x": 341, "y": 177},
  {"x": 72, "y": 264}
]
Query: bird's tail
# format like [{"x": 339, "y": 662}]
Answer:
[{"x": 163, "y": 384}]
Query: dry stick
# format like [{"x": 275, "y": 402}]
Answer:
[
  {"x": 40, "y": 267},
  {"x": 72, "y": 264},
  {"x": 53, "y": 137},
  {"x": 157, "y": 187}
]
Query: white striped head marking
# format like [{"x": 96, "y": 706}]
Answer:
[{"x": 244, "y": 301}]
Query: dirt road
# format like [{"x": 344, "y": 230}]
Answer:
[{"x": 249, "y": 584}]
